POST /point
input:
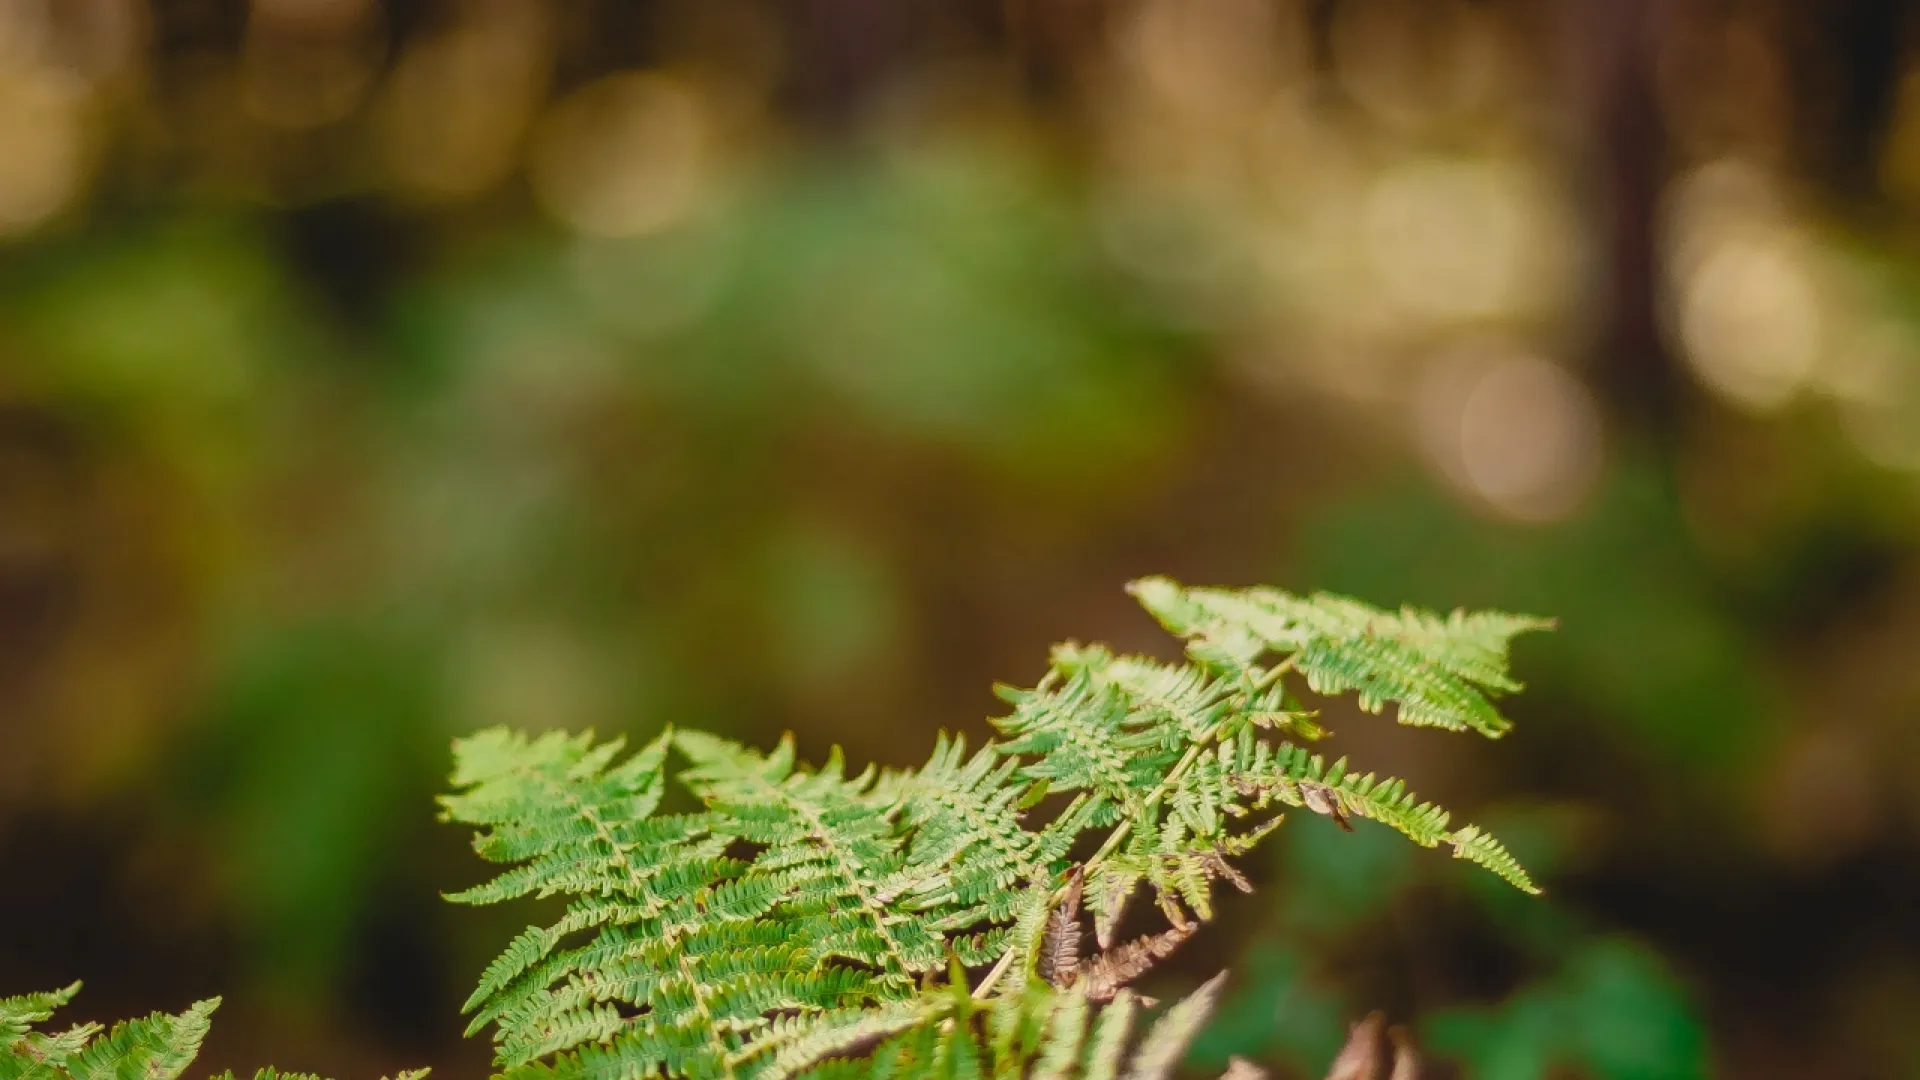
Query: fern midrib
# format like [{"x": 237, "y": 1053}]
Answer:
[
  {"x": 673, "y": 932},
  {"x": 1108, "y": 764},
  {"x": 1171, "y": 781},
  {"x": 982, "y": 823},
  {"x": 1171, "y": 706},
  {"x": 1118, "y": 836},
  {"x": 849, "y": 867}
]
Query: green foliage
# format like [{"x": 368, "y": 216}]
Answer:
[
  {"x": 1612, "y": 1012},
  {"x": 804, "y": 921},
  {"x": 159, "y": 1047},
  {"x": 1650, "y": 649}
]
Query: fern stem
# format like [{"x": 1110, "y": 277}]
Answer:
[
  {"x": 1000, "y": 967},
  {"x": 1121, "y": 830},
  {"x": 1113, "y": 840},
  {"x": 1274, "y": 673}
]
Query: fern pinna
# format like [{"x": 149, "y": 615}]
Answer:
[
  {"x": 917, "y": 923},
  {"x": 158, "y": 1047}
]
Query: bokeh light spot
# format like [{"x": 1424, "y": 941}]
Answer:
[
  {"x": 1512, "y": 429},
  {"x": 622, "y": 157},
  {"x": 305, "y": 63},
  {"x": 458, "y": 104},
  {"x": 43, "y": 156},
  {"x": 1452, "y": 239},
  {"x": 1750, "y": 319}
]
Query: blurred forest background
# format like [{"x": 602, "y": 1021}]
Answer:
[{"x": 372, "y": 371}]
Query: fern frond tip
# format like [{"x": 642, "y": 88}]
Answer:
[{"x": 1480, "y": 847}]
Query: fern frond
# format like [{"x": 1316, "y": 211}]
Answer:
[
  {"x": 1185, "y": 703},
  {"x": 17, "y": 1014},
  {"x": 1060, "y": 946},
  {"x": 51, "y": 1052},
  {"x": 1298, "y": 778},
  {"x": 1442, "y": 672},
  {"x": 1066, "y": 1033},
  {"x": 159, "y": 1047},
  {"x": 661, "y": 894},
  {"x": 1101, "y": 977},
  {"x": 1477, "y": 847},
  {"x": 1111, "y": 887},
  {"x": 792, "y": 1044},
  {"x": 800, "y": 920},
  {"x": 1109, "y": 1042},
  {"x": 1035, "y": 1032},
  {"x": 1167, "y": 1040},
  {"x": 1076, "y": 730},
  {"x": 967, "y": 847},
  {"x": 836, "y": 845}
]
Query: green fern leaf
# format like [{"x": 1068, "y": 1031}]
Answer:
[
  {"x": 794, "y": 1044},
  {"x": 800, "y": 921},
  {"x": 1066, "y": 1034},
  {"x": 1442, "y": 672},
  {"x": 1109, "y": 1043},
  {"x": 1477, "y": 847},
  {"x": 17, "y": 1014},
  {"x": 1167, "y": 1040},
  {"x": 838, "y": 846},
  {"x": 159, "y": 1047},
  {"x": 968, "y": 845}
]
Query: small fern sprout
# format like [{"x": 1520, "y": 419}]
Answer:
[{"x": 812, "y": 921}]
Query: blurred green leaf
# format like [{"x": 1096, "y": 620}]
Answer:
[
  {"x": 1272, "y": 1012},
  {"x": 304, "y": 768},
  {"x": 1611, "y": 1013},
  {"x": 1642, "y": 640}
]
